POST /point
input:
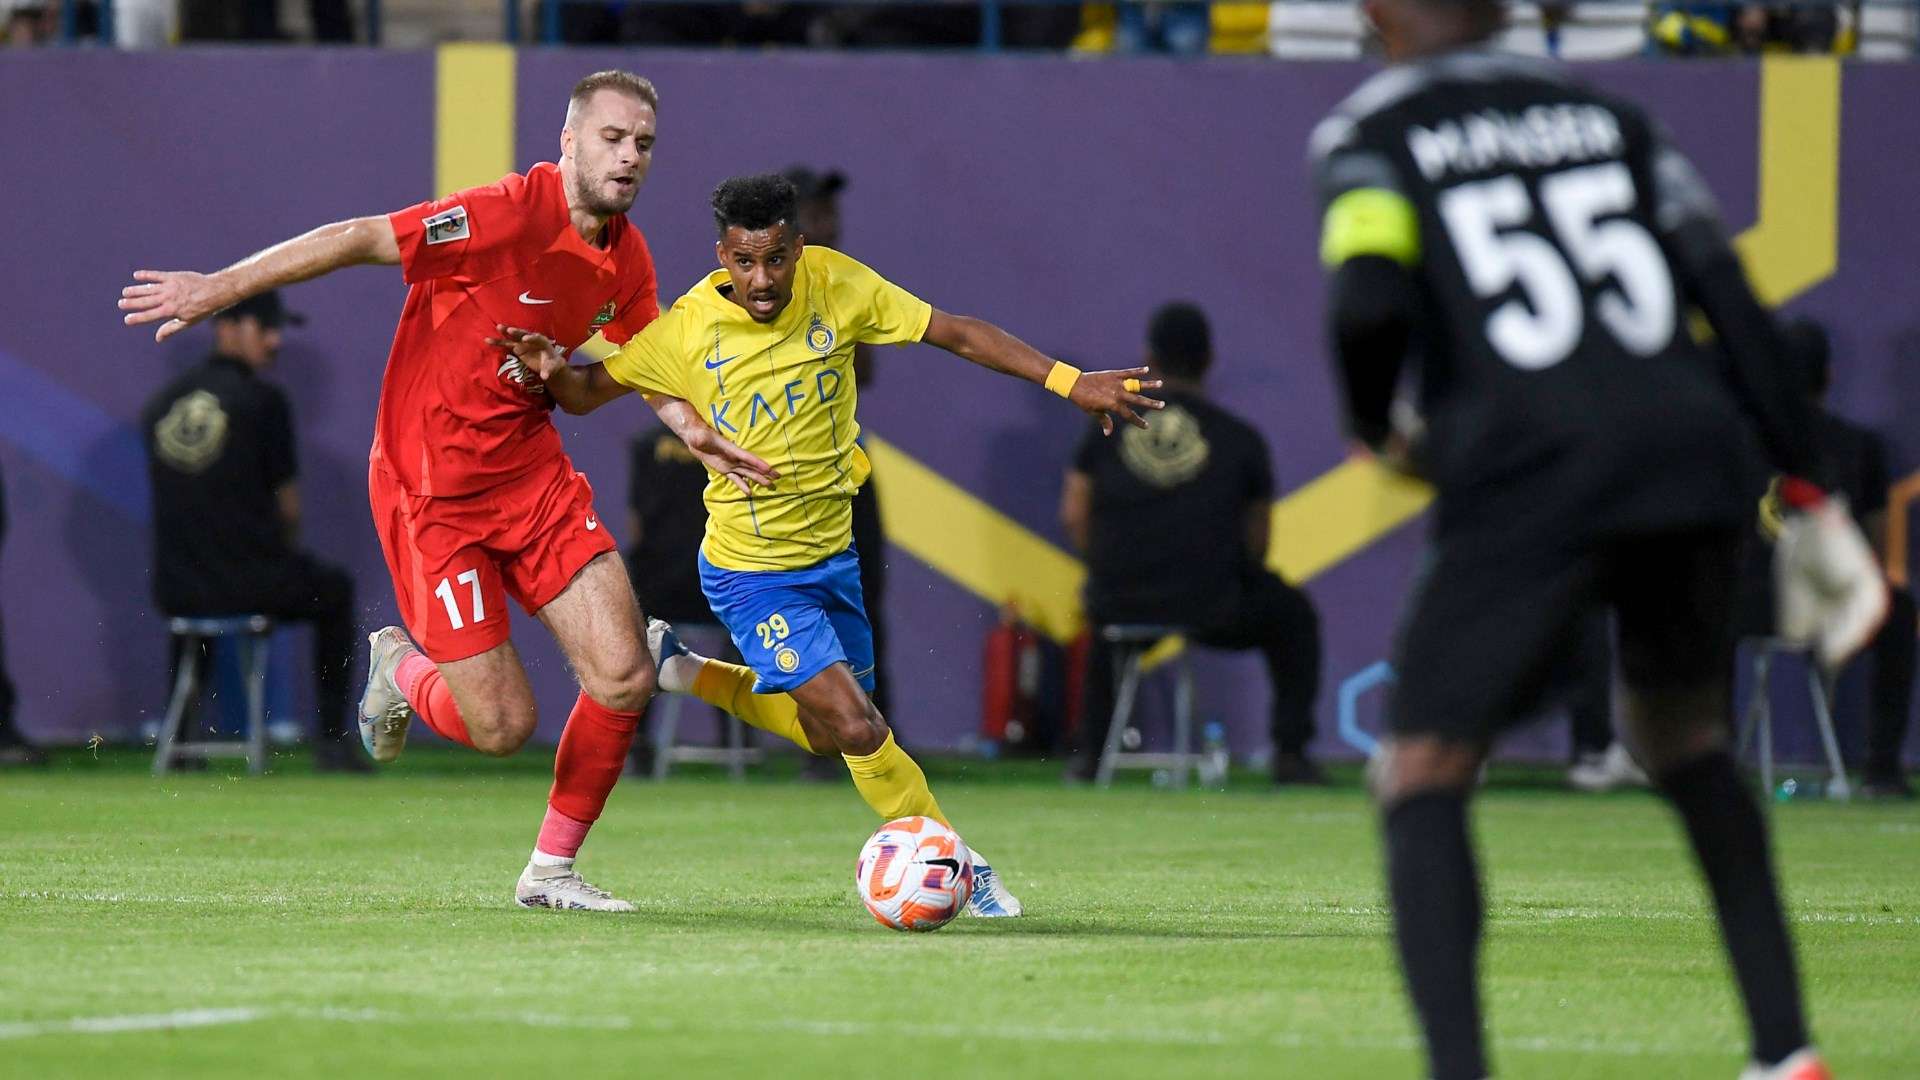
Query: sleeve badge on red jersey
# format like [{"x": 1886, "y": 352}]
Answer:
[
  {"x": 447, "y": 226},
  {"x": 604, "y": 316}
]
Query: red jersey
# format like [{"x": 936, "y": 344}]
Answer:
[{"x": 457, "y": 416}]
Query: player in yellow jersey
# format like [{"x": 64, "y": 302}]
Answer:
[{"x": 763, "y": 348}]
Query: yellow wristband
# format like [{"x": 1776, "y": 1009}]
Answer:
[{"x": 1061, "y": 379}]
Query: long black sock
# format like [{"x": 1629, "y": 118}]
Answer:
[
  {"x": 1436, "y": 920},
  {"x": 1730, "y": 842}
]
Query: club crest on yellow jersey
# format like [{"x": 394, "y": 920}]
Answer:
[{"x": 819, "y": 336}]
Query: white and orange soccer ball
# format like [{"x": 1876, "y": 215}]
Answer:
[{"x": 914, "y": 874}]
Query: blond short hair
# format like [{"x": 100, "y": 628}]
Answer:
[{"x": 625, "y": 82}]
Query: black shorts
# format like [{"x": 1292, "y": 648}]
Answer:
[{"x": 1484, "y": 634}]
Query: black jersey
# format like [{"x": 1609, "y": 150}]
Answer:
[{"x": 1561, "y": 391}]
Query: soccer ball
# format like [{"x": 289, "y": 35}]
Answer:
[{"x": 914, "y": 874}]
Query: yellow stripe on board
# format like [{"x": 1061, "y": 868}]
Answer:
[
  {"x": 1343, "y": 510},
  {"x": 1794, "y": 245},
  {"x": 984, "y": 551},
  {"x": 473, "y": 110}
]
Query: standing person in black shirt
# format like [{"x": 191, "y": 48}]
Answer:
[
  {"x": 1537, "y": 246},
  {"x": 1173, "y": 521},
  {"x": 14, "y": 749},
  {"x": 666, "y": 522},
  {"x": 226, "y": 510}
]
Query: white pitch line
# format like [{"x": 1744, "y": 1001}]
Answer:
[{"x": 113, "y": 1025}]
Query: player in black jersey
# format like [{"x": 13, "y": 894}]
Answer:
[{"x": 1537, "y": 247}]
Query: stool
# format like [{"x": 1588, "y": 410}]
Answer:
[
  {"x": 253, "y": 633},
  {"x": 1757, "y": 717},
  {"x": 1131, "y": 642},
  {"x": 736, "y": 755}
]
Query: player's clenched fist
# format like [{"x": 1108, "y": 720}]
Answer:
[{"x": 1109, "y": 393}]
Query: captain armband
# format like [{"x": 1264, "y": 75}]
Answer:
[{"x": 1370, "y": 221}]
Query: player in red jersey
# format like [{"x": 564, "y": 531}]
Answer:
[{"x": 473, "y": 496}]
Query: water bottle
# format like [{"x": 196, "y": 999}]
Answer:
[{"x": 1213, "y": 754}]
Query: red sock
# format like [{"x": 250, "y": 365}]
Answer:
[
  {"x": 430, "y": 697},
  {"x": 593, "y": 750}
]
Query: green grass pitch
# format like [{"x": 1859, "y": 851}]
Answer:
[{"x": 297, "y": 925}]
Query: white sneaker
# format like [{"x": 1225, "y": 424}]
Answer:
[
  {"x": 1606, "y": 770},
  {"x": 563, "y": 889},
  {"x": 990, "y": 897},
  {"x": 384, "y": 712}
]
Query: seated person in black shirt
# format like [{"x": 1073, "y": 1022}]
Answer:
[
  {"x": 666, "y": 521},
  {"x": 226, "y": 510},
  {"x": 1173, "y": 522},
  {"x": 1854, "y": 459}
]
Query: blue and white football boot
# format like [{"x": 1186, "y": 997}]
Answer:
[{"x": 990, "y": 899}]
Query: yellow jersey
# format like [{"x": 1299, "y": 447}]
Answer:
[{"x": 783, "y": 391}]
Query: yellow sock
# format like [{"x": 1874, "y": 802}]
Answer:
[
  {"x": 730, "y": 687},
  {"x": 892, "y": 783}
]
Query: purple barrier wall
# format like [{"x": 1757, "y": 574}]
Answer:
[{"x": 1063, "y": 199}]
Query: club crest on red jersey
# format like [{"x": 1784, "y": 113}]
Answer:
[{"x": 603, "y": 316}]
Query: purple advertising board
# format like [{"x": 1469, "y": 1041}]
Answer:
[{"x": 1062, "y": 199}]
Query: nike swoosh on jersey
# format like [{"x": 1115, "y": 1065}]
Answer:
[
  {"x": 711, "y": 364},
  {"x": 527, "y": 298}
]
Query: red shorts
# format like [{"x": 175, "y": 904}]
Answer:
[{"x": 454, "y": 561}]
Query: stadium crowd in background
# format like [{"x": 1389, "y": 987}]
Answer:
[
  {"x": 226, "y": 512},
  {"x": 1174, "y": 522}
]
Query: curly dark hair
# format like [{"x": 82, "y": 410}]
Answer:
[{"x": 754, "y": 202}]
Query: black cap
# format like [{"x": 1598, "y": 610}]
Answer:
[
  {"x": 265, "y": 307},
  {"x": 808, "y": 184}
]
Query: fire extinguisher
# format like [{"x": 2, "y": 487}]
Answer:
[{"x": 1011, "y": 682}]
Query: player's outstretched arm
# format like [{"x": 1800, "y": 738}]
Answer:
[
  {"x": 179, "y": 298},
  {"x": 1100, "y": 393},
  {"x": 712, "y": 449}
]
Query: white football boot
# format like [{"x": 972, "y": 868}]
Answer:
[
  {"x": 990, "y": 899},
  {"x": 563, "y": 889},
  {"x": 384, "y": 712}
]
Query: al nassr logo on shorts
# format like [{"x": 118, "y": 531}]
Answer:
[{"x": 787, "y": 660}]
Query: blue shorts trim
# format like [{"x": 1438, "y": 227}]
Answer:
[{"x": 821, "y": 608}]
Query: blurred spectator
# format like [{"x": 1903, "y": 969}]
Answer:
[
  {"x": 14, "y": 749},
  {"x": 259, "y": 20},
  {"x": 1717, "y": 28},
  {"x": 145, "y": 24},
  {"x": 1181, "y": 29},
  {"x": 754, "y": 24},
  {"x": 1854, "y": 461},
  {"x": 226, "y": 510},
  {"x": 1173, "y": 521},
  {"x": 29, "y": 22}
]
